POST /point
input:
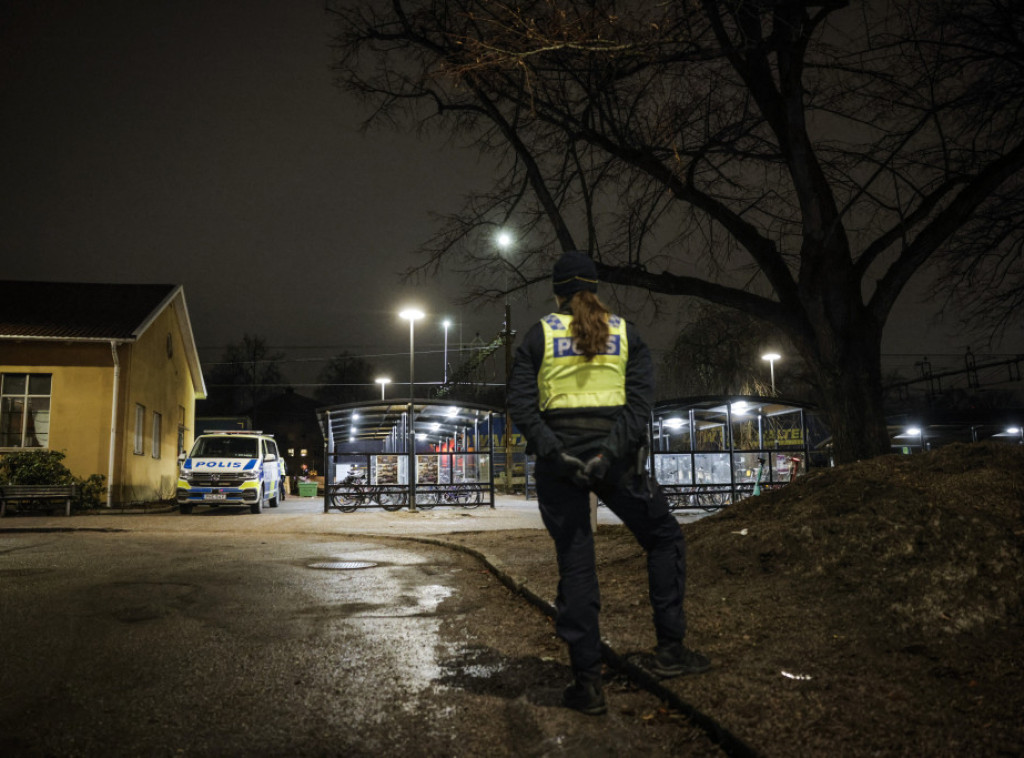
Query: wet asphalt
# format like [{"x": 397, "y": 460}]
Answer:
[
  {"x": 305, "y": 515},
  {"x": 291, "y": 632}
]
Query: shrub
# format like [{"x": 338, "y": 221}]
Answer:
[
  {"x": 47, "y": 467},
  {"x": 92, "y": 492},
  {"x": 35, "y": 467}
]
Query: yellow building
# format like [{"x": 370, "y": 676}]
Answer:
[{"x": 106, "y": 373}]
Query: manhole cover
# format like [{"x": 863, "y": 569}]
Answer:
[{"x": 343, "y": 565}]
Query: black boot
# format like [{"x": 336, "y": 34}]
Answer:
[
  {"x": 673, "y": 659},
  {"x": 585, "y": 696}
]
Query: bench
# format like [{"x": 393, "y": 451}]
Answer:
[{"x": 37, "y": 496}]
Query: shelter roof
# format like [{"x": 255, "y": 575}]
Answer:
[{"x": 437, "y": 420}]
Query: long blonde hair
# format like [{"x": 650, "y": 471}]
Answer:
[{"x": 589, "y": 323}]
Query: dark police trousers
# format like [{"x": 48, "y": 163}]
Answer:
[{"x": 565, "y": 509}]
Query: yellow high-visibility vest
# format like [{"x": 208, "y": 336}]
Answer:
[{"x": 568, "y": 380}]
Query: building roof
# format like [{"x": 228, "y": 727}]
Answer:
[
  {"x": 74, "y": 311},
  {"x": 92, "y": 312}
]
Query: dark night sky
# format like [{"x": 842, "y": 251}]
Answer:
[{"x": 202, "y": 142}]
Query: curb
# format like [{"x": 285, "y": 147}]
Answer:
[{"x": 730, "y": 744}]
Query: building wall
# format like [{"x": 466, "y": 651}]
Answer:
[
  {"x": 156, "y": 376},
  {"x": 81, "y": 392},
  {"x": 80, "y": 396}
]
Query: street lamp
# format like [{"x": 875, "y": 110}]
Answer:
[
  {"x": 412, "y": 314},
  {"x": 918, "y": 432},
  {"x": 446, "y": 323},
  {"x": 771, "y": 358},
  {"x": 383, "y": 381},
  {"x": 505, "y": 241}
]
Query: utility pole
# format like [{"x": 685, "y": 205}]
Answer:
[{"x": 509, "y": 334}]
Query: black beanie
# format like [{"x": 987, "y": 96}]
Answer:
[{"x": 573, "y": 272}]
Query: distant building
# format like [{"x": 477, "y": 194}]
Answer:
[
  {"x": 107, "y": 373},
  {"x": 292, "y": 419}
]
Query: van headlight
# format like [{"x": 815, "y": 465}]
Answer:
[{"x": 248, "y": 476}]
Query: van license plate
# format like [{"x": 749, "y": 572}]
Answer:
[{"x": 216, "y": 496}]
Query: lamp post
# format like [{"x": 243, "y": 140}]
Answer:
[
  {"x": 771, "y": 358},
  {"x": 383, "y": 381},
  {"x": 504, "y": 241},
  {"x": 412, "y": 314},
  {"x": 446, "y": 324}
]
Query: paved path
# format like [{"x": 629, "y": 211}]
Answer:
[{"x": 304, "y": 515}]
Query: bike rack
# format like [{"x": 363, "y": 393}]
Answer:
[{"x": 454, "y": 457}]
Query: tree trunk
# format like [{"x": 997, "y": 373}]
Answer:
[{"x": 849, "y": 380}]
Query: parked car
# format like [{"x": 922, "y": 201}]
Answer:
[{"x": 231, "y": 467}]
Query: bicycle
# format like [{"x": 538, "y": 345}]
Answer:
[
  {"x": 709, "y": 499},
  {"x": 700, "y": 497},
  {"x": 358, "y": 494},
  {"x": 454, "y": 494}
]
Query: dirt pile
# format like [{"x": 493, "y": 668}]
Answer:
[
  {"x": 870, "y": 609},
  {"x": 930, "y": 544}
]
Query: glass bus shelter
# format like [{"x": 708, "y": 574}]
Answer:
[
  {"x": 709, "y": 452},
  {"x": 368, "y": 455}
]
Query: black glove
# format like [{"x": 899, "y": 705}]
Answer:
[
  {"x": 596, "y": 468},
  {"x": 571, "y": 468}
]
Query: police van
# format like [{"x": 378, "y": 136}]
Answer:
[{"x": 231, "y": 468}]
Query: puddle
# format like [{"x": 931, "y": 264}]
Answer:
[
  {"x": 343, "y": 565},
  {"x": 386, "y": 621}
]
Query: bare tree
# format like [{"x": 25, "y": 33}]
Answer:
[
  {"x": 346, "y": 378},
  {"x": 245, "y": 376},
  {"x": 718, "y": 352},
  {"x": 983, "y": 274},
  {"x": 798, "y": 161}
]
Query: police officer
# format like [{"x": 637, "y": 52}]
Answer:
[{"x": 580, "y": 392}]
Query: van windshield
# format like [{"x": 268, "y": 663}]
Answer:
[{"x": 225, "y": 447}]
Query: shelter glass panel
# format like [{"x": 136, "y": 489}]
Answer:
[
  {"x": 746, "y": 466},
  {"x": 711, "y": 430},
  {"x": 746, "y": 431},
  {"x": 712, "y": 468},
  {"x": 673, "y": 468}
]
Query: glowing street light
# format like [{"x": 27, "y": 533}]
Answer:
[
  {"x": 412, "y": 315},
  {"x": 446, "y": 323},
  {"x": 383, "y": 381},
  {"x": 505, "y": 241},
  {"x": 771, "y": 358}
]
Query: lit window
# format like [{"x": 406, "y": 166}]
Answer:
[
  {"x": 140, "y": 428},
  {"x": 303, "y": 453},
  {"x": 24, "y": 410}
]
